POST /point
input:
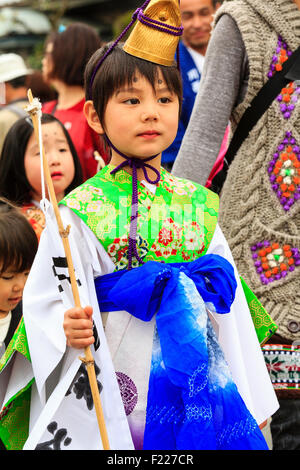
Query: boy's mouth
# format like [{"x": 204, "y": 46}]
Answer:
[
  {"x": 149, "y": 134},
  {"x": 15, "y": 299}
]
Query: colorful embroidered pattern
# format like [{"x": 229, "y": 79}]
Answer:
[
  {"x": 128, "y": 392},
  {"x": 265, "y": 327},
  {"x": 18, "y": 343},
  {"x": 282, "y": 362},
  {"x": 14, "y": 415},
  {"x": 288, "y": 98},
  {"x": 282, "y": 53},
  {"x": 289, "y": 95},
  {"x": 174, "y": 224},
  {"x": 5, "y": 410},
  {"x": 118, "y": 251},
  {"x": 274, "y": 262},
  {"x": 284, "y": 172}
]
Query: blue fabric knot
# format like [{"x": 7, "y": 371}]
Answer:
[
  {"x": 192, "y": 400},
  {"x": 163, "y": 276},
  {"x": 212, "y": 275}
]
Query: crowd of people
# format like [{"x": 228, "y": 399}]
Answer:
[{"x": 189, "y": 295}]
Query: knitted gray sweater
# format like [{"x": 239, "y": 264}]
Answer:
[
  {"x": 223, "y": 84},
  {"x": 260, "y": 201}
]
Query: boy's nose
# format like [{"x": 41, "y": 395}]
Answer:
[
  {"x": 149, "y": 115},
  {"x": 19, "y": 285},
  {"x": 20, "y": 281}
]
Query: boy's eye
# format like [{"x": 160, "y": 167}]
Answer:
[
  {"x": 62, "y": 149},
  {"x": 7, "y": 277},
  {"x": 132, "y": 101},
  {"x": 164, "y": 100}
]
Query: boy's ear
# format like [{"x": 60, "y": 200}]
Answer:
[{"x": 92, "y": 117}]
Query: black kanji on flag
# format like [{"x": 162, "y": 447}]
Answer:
[
  {"x": 60, "y": 270},
  {"x": 60, "y": 437},
  {"x": 81, "y": 386},
  {"x": 96, "y": 336}
]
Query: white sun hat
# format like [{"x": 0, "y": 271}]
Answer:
[{"x": 12, "y": 66}]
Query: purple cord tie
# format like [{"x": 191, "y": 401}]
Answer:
[
  {"x": 135, "y": 164},
  {"x": 138, "y": 14}
]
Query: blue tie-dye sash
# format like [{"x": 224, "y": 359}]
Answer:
[{"x": 193, "y": 402}]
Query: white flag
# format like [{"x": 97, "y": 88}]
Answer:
[{"x": 63, "y": 416}]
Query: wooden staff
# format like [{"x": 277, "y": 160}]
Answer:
[{"x": 88, "y": 360}]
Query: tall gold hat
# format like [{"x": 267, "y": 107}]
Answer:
[{"x": 156, "y": 34}]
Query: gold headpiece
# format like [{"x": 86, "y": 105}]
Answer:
[
  {"x": 156, "y": 34},
  {"x": 154, "y": 38}
]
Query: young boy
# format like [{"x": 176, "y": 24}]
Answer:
[
  {"x": 164, "y": 381},
  {"x": 18, "y": 246}
]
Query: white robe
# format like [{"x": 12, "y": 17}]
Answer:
[{"x": 44, "y": 308}]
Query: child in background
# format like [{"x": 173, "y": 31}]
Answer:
[
  {"x": 18, "y": 246},
  {"x": 20, "y": 172},
  {"x": 66, "y": 55},
  {"x": 164, "y": 381}
]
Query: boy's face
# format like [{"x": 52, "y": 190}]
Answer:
[
  {"x": 140, "y": 120},
  {"x": 11, "y": 290}
]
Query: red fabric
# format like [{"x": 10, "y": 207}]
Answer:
[
  {"x": 218, "y": 165},
  {"x": 35, "y": 217},
  {"x": 85, "y": 140}
]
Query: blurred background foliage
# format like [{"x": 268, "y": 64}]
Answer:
[{"x": 25, "y": 24}]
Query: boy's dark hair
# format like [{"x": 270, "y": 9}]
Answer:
[
  {"x": 117, "y": 70},
  {"x": 71, "y": 51},
  {"x": 19, "y": 82},
  {"x": 14, "y": 184},
  {"x": 18, "y": 240}
]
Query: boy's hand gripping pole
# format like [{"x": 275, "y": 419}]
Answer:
[{"x": 33, "y": 109}]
